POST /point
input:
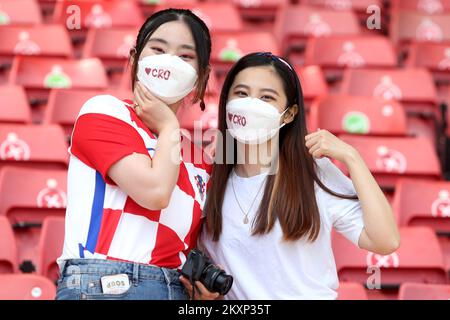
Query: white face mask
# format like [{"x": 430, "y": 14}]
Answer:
[
  {"x": 252, "y": 121},
  {"x": 168, "y": 77}
]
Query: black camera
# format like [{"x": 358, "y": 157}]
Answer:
[{"x": 198, "y": 267}]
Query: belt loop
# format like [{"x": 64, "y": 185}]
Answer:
[
  {"x": 62, "y": 267},
  {"x": 135, "y": 273}
]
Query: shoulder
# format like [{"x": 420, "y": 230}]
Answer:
[{"x": 106, "y": 105}]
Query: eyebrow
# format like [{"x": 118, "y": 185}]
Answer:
[
  {"x": 184, "y": 46},
  {"x": 248, "y": 88}
]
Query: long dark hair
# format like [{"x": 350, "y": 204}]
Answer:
[
  {"x": 289, "y": 194},
  {"x": 202, "y": 39}
]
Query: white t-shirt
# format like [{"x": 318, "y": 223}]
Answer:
[{"x": 267, "y": 267}]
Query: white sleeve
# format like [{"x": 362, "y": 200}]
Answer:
[{"x": 346, "y": 215}]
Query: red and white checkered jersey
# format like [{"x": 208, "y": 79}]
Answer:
[{"x": 102, "y": 222}]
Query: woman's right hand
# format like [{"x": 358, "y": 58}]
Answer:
[{"x": 156, "y": 115}]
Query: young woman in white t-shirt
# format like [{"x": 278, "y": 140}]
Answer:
[{"x": 275, "y": 195}]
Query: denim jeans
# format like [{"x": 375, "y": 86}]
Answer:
[{"x": 80, "y": 280}]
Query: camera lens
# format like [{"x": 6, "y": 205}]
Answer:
[{"x": 216, "y": 280}]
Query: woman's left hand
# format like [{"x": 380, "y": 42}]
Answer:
[
  {"x": 201, "y": 293},
  {"x": 323, "y": 143}
]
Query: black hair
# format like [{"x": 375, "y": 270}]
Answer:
[{"x": 202, "y": 39}]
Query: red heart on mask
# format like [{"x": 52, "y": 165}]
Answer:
[{"x": 148, "y": 70}]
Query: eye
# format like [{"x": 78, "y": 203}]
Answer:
[
  {"x": 157, "y": 50},
  {"x": 240, "y": 93},
  {"x": 187, "y": 57},
  {"x": 267, "y": 98}
]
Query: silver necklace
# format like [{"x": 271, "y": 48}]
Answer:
[{"x": 245, "y": 220}]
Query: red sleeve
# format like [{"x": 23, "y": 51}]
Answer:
[{"x": 100, "y": 140}]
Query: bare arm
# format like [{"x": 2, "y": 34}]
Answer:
[{"x": 380, "y": 234}]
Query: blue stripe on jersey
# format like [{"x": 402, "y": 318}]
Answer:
[{"x": 96, "y": 213}]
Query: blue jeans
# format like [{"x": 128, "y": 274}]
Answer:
[{"x": 80, "y": 280}]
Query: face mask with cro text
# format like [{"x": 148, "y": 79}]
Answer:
[
  {"x": 167, "y": 76},
  {"x": 252, "y": 121}
]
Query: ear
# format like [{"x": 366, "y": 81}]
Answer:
[
  {"x": 290, "y": 114},
  {"x": 132, "y": 55}
]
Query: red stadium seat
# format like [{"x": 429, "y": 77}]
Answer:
[
  {"x": 295, "y": 23},
  {"x": 433, "y": 56},
  {"x": 228, "y": 47},
  {"x": 189, "y": 115},
  {"x": 423, "y": 203},
  {"x": 351, "y": 291},
  {"x": 38, "y": 75},
  {"x": 313, "y": 82},
  {"x": 26, "y": 287},
  {"x": 338, "y": 53},
  {"x": 38, "y": 146},
  {"x": 64, "y": 105},
  {"x": 112, "y": 46},
  {"x": 342, "y": 114},
  {"x": 342, "y": 5},
  {"x": 14, "y": 107},
  {"x": 391, "y": 158},
  {"x": 27, "y": 197},
  {"x": 50, "y": 247},
  {"x": 12, "y": 12},
  {"x": 408, "y": 26},
  {"x": 413, "y": 87},
  {"x": 8, "y": 249},
  {"x": 419, "y": 259},
  {"x": 257, "y": 11},
  {"x": 418, "y": 291},
  {"x": 213, "y": 15},
  {"x": 422, "y": 6},
  {"x": 99, "y": 13},
  {"x": 47, "y": 73},
  {"x": 39, "y": 41}
]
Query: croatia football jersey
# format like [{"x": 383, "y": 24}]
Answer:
[{"x": 102, "y": 222}]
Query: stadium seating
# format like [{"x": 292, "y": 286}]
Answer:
[
  {"x": 337, "y": 53},
  {"x": 26, "y": 287},
  {"x": 14, "y": 107},
  {"x": 313, "y": 82},
  {"x": 42, "y": 194},
  {"x": 419, "y": 259},
  {"x": 8, "y": 249},
  {"x": 188, "y": 115},
  {"x": 407, "y": 26},
  {"x": 391, "y": 158},
  {"x": 45, "y": 73},
  {"x": 29, "y": 40},
  {"x": 424, "y": 7},
  {"x": 99, "y": 13},
  {"x": 50, "y": 247},
  {"x": 295, "y": 23},
  {"x": 413, "y": 87},
  {"x": 228, "y": 47},
  {"x": 342, "y": 114},
  {"x": 38, "y": 75},
  {"x": 340, "y": 5},
  {"x": 261, "y": 11},
  {"x": 12, "y": 12},
  {"x": 213, "y": 15},
  {"x": 38, "y": 146},
  {"x": 433, "y": 56},
  {"x": 351, "y": 291},
  {"x": 418, "y": 291},
  {"x": 64, "y": 105},
  {"x": 423, "y": 203}
]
